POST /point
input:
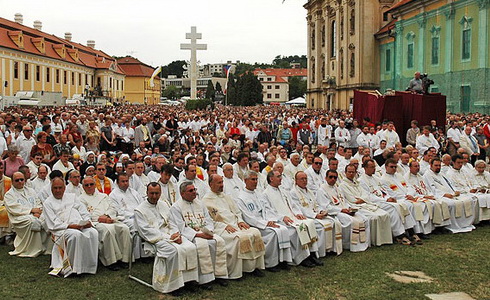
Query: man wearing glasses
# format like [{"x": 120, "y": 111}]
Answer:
[
  {"x": 355, "y": 227},
  {"x": 315, "y": 175},
  {"x": 24, "y": 210},
  {"x": 114, "y": 236}
]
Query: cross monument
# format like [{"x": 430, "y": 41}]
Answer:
[{"x": 193, "y": 46}]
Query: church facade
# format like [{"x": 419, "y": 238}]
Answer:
[
  {"x": 449, "y": 40},
  {"x": 342, "y": 51},
  {"x": 380, "y": 44}
]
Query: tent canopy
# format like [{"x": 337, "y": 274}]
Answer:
[{"x": 299, "y": 100}]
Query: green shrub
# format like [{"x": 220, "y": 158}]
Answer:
[{"x": 200, "y": 104}]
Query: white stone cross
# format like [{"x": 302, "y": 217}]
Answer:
[{"x": 193, "y": 46}]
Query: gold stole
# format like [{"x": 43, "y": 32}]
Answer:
[
  {"x": 5, "y": 185},
  {"x": 107, "y": 185}
]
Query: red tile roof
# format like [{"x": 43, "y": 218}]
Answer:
[
  {"x": 281, "y": 75},
  {"x": 133, "y": 67},
  {"x": 399, "y": 4},
  {"x": 87, "y": 56},
  {"x": 387, "y": 27}
]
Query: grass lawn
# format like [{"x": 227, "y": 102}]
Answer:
[{"x": 458, "y": 262}]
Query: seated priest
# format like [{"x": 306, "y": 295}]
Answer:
[
  {"x": 114, "y": 236},
  {"x": 26, "y": 216},
  {"x": 175, "y": 257},
  {"x": 76, "y": 241}
]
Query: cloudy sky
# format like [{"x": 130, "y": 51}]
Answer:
[{"x": 151, "y": 30}]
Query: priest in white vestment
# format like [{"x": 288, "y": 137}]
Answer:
[
  {"x": 462, "y": 216},
  {"x": 25, "y": 213},
  {"x": 286, "y": 181},
  {"x": 76, "y": 241},
  {"x": 275, "y": 236},
  {"x": 355, "y": 227},
  {"x": 401, "y": 219},
  {"x": 303, "y": 231},
  {"x": 233, "y": 185},
  {"x": 190, "y": 174},
  {"x": 168, "y": 184},
  {"x": 328, "y": 228},
  {"x": 396, "y": 187},
  {"x": 41, "y": 180},
  {"x": 74, "y": 186},
  {"x": 462, "y": 182},
  {"x": 316, "y": 177},
  {"x": 195, "y": 224},
  {"x": 358, "y": 198},
  {"x": 124, "y": 200},
  {"x": 115, "y": 239},
  {"x": 438, "y": 209},
  {"x": 481, "y": 182},
  {"x": 175, "y": 257},
  {"x": 244, "y": 244},
  {"x": 294, "y": 166},
  {"x": 426, "y": 140}
]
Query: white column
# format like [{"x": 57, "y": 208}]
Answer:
[
  {"x": 43, "y": 77},
  {"x": 11, "y": 81},
  {"x": 33, "y": 76},
  {"x": 21, "y": 75}
]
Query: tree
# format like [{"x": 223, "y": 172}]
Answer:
[
  {"x": 297, "y": 87},
  {"x": 210, "y": 92},
  {"x": 218, "y": 87},
  {"x": 171, "y": 92},
  {"x": 249, "y": 90},
  {"x": 173, "y": 68},
  {"x": 231, "y": 92}
]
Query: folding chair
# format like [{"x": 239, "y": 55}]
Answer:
[{"x": 135, "y": 241}]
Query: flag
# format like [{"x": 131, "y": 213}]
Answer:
[
  {"x": 229, "y": 69},
  {"x": 155, "y": 73}
]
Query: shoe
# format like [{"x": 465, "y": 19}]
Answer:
[
  {"x": 123, "y": 265},
  {"x": 417, "y": 240},
  {"x": 177, "y": 293},
  {"x": 315, "y": 260},
  {"x": 192, "y": 287},
  {"x": 258, "y": 273},
  {"x": 206, "y": 287},
  {"x": 221, "y": 281},
  {"x": 307, "y": 264},
  {"x": 113, "y": 267},
  {"x": 424, "y": 236},
  {"x": 147, "y": 260},
  {"x": 404, "y": 241},
  {"x": 285, "y": 266},
  {"x": 273, "y": 269}
]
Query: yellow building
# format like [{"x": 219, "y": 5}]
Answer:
[
  {"x": 138, "y": 77},
  {"x": 342, "y": 50},
  {"x": 32, "y": 60}
]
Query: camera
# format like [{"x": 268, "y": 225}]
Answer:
[{"x": 426, "y": 82}]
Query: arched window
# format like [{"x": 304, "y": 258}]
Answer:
[{"x": 333, "y": 40}]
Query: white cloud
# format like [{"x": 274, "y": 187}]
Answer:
[{"x": 250, "y": 31}]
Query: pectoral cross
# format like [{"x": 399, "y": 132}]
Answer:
[
  {"x": 214, "y": 212},
  {"x": 201, "y": 218},
  {"x": 188, "y": 216}
]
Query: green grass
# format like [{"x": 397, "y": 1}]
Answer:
[{"x": 457, "y": 263}]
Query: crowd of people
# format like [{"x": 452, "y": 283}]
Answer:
[{"x": 217, "y": 193}]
